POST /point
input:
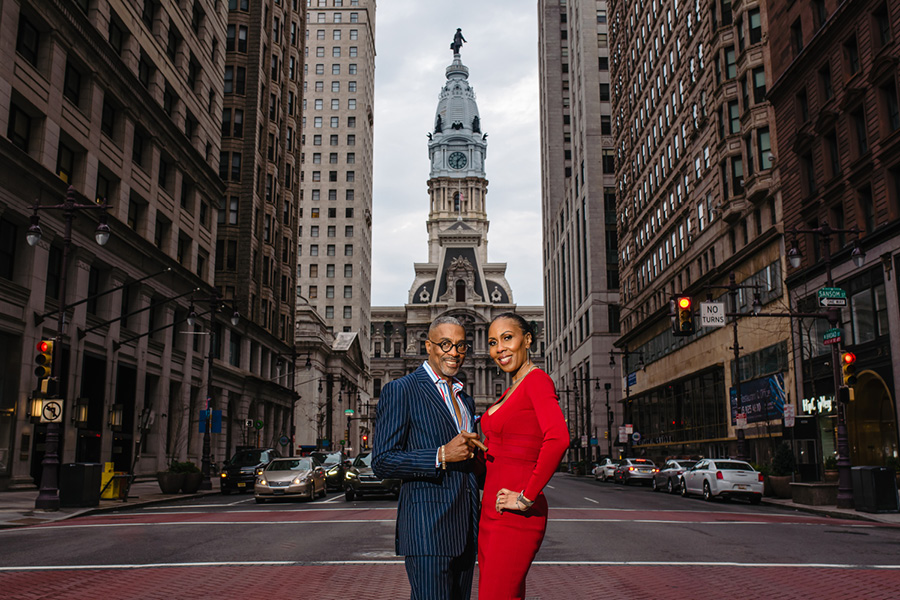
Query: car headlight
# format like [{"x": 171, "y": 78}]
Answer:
[
  {"x": 224, "y": 475},
  {"x": 350, "y": 475},
  {"x": 263, "y": 482},
  {"x": 297, "y": 480},
  {"x": 333, "y": 470}
]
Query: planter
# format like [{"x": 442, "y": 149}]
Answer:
[
  {"x": 831, "y": 475},
  {"x": 779, "y": 486},
  {"x": 814, "y": 494},
  {"x": 170, "y": 483},
  {"x": 191, "y": 483}
]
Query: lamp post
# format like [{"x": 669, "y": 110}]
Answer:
[
  {"x": 215, "y": 302},
  {"x": 589, "y": 409},
  {"x": 824, "y": 233},
  {"x": 48, "y": 497},
  {"x": 609, "y": 418},
  {"x": 626, "y": 409}
]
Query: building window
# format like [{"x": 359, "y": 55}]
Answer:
[
  {"x": 851, "y": 53},
  {"x": 65, "y": 163},
  {"x": 858, "y": 119},
  {"x": 19, "y": 129},
  {"x": 28, "y": 40}
]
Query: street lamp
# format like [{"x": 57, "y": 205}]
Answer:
[
  {"x": 589, "y": 413},
  {"x": 215, "y": 302},
  {"x": 609, "y": 417},
  {"x": 48, "y": 497},
  {"x": 626, "y": 412},
  {"x": 858, "y": 256}
]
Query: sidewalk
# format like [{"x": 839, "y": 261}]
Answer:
[
  {"x": 17, "y": 506},
  {"x": 834, "y": 511}
]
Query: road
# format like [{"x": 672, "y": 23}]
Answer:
[{"x": 603, "y": 541}]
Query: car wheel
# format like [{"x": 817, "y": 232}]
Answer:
[
  {"x": 348, "y": 495},
  {"x": 670, "y": 487},
  {"x": 755, "y": 499},
  {"x": 684, "y": 491},
  {"x": 707, "y": 493},
  {"x": 653, "y": 485},
  {"x": 323, "y": 492}
]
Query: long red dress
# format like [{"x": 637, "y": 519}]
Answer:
[{"x": 526, "y": 438}]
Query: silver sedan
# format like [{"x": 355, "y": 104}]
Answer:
[
  {"x": 291, "y": 478},
  {"x": 669, "y": 476}
]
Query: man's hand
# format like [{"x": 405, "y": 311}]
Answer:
[{"x": 461, "y": 448}]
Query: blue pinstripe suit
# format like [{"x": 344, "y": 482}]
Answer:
[{"x": 437, "y": 515}]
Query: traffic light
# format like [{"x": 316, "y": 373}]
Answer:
[
  {"x": 848, "y": 366},
  {"x": 365, "y": 441},
  {"x": 684, "y": 316},
  {"x": 44, "y": 359}
]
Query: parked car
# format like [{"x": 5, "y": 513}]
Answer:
[
  {"x": 335, "y": 464},
  {"x": 239, "y": 473},
  {"x": 669, "y": 476},
  {"x": 725, "y": 478},
  {"x": 361, "y": 479},
  {"x": 299, "y": 477},
  {"x": 605, "y": 470},
  {"x": 635, "y": 469}
]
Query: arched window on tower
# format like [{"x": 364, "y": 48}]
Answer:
[
  {"x": 460, "y": 290},
  {"x": 456, "y": 206}
]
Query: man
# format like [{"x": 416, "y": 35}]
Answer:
[{"x": 422, "y": 436}]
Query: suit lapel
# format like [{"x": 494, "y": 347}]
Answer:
[{"x": 433, "y": 397}]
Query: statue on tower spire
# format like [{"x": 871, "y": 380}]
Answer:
[{"x": 458, "y": 40}]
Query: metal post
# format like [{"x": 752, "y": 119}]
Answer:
[
  {"x": 741, "y": 439},
  {"x": 588, "y": 421},
  {"x": 627, "y": 407},
  {"x": 205, "y": 460},
  {"x": 607, "y": 386}
]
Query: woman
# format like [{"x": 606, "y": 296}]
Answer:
[{"x": 526, "y": 436}]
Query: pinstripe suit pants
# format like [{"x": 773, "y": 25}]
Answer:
[{"x": 442, "y": 577}]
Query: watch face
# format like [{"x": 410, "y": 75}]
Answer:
[{"x": 457, "y": 160}]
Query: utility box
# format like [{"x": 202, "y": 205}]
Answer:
[
  {"x": 875, "y": 490},
  {"x": 79, "y": 484},
  {"x": 111, "y": 485}
]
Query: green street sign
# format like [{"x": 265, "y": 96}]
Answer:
[
  {"x": 832, "y": 292},
  {"x": 258, "y": 424},
  {"x": 348, "y": 411},
  {"x": 832, "y": 336}
]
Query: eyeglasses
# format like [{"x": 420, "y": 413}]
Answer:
[{"x": 446, "y": 346}]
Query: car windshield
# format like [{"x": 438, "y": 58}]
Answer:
[
  {"x": 363, "y": 460},
  {"x": 294, "y": 464},
  {"x": 328, "y": 459},
  {"x": 686, "y": 464},
  {"x": 725, "y": 465},
  {"x": 246, "y": 458}
]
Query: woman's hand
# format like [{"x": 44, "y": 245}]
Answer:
[{"x": 508, "y": 500}]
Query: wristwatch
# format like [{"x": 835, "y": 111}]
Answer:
[{"x": 526, "y": 503}]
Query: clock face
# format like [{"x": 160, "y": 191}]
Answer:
[{"x": 457, "y": 160}]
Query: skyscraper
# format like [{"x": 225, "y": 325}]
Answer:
[
  {"x": 335, "y": 225},
  {"x": 581, "y": 270}
]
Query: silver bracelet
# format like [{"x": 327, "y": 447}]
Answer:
[{"x": 526, "y": 503}]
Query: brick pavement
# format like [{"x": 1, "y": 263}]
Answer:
[{"x": 388, "y": 582}]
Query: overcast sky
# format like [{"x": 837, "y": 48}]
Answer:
[{"x": 412, "y": 41}]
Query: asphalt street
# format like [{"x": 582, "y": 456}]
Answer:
[{"x": 603, "y": 540}]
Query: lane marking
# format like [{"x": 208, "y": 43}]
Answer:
[
  {"x": 549, "y": 487},
  {"x": 250, "y": 511},
  {"x": 591, "y": 500},
  {"x": 196, "y": 523},
  {"x": 545, "y": 563}
]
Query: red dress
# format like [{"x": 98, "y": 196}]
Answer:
[{"x": 526, "y": 438}]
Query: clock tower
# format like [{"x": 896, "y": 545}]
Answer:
[{"x": 457, "y": 149}]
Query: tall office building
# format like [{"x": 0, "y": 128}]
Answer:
[
  {"x": 335, "y": 225},
  {"x": 838, "y": 115},
  {"x": 581, "y": 271},
  {"x": 698, "y": 207},
  {"x": 121, "y": 101}
]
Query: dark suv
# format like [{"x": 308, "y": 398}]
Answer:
[
  {"x": 239, "y": 473},
  {"x": 335, "y": 464}
]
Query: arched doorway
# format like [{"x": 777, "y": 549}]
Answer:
[
  {"x": 871, "y": 422},
  {"x": 460, "y": 290}
]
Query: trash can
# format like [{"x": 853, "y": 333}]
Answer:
[
  {"x": 875, "y": 490},
  {"x": 79, "y": 484}
]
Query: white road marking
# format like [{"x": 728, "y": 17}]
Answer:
[
  {"x": 195, "y": 523},
  {"x": 591, "y": 500},
  {"x": 547, "y": 563},
  {"x": 549, "y": 487}
]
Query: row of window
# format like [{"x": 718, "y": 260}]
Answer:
[
  {"x": 319, "y": 104},
  {"x": 335, "y": 85},
  {"x": 335, "y": 34},
  {"x": 316, "y": 195},
  {"x": 329, "y": 251},
  {"x": 331, "y": 232},
  {"x": 352, "y": 51},
  {"x": 329, "y": 291},
  {"x": 332, "y": 158},
  {"x": 332, "y": 176},
  {"x": 336, "y": 17},
  {"x": 334, "y": 122}
]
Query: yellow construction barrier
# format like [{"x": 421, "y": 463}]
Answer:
[{"x": 111, "y": 483}]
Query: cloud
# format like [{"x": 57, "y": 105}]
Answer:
[{"x": 413, "y": 49}]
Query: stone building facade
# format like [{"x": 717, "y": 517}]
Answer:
[
  {"x": 835, "y": 100},
  {"x": 698, "y": 201},
  {"x": 123, "y": 102}
]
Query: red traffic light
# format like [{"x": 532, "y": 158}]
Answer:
[
  {"x": 44, "y": 346},
  {"x": 684, "y": 302},
  {"x": 848, "y": 358}
]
